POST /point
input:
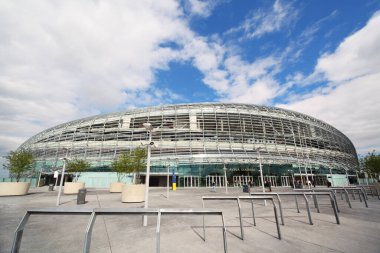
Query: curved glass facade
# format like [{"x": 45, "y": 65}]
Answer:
[{"x": 200, "y": 139}]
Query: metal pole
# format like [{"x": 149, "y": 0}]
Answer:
[
  {"x": 307, "y": 178},
  {"x": 308, "y": 209},
  {"x": 225, "y": 177},
  {"x": 299, "y": 169},
  {"x": 167, "y": 184},
  {"x": 61, "y": 183},
  {"x": 294, "y": 183},
  {"x": 262, "y": 178},
  {"x": 147, "y": 178},
  {"x": 55, "y": 185},
  {"x": 39, "y": 178},
  {"x": 332, "y": 181}
]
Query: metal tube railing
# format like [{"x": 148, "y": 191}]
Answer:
[
  {"x": 342, "y": 190},
  {"x": 109, "y": 211},
  {"x": 277, "y": 194},
  {"x": 237, "y": 199}
]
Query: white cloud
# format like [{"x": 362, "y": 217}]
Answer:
[
  {"x": 65, "y": 60},
  {"x": 202, "y": 8},
  {"x": 350, "y": 101},
  {"x": 261, "y": 91},
  {"x": 262, "y": 22},
  {"x": 151, "y": 97},
  {"x": 357, "y": 55},
  {"x": 251, "y": 82}
]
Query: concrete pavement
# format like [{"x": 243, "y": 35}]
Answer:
[{"x": 359, "y": 230}]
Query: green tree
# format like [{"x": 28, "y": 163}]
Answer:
[
  {"x": 121, "y": 165},
  {"x": 77, "y": 166},
  {"x": 131, "y": 162},
  {"x": 19, "y": 163},
  {"x": 371, "y": 163}
]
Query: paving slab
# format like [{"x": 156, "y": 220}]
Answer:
[{"x": 359, "y": 230}]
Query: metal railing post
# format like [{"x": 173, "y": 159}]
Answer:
[
  {"x": 347, "y": 198},
  {"x": 308, "y": 209},
  {"x": 87, "y": 238},
  {"x": 298, "y": 209},
  {"x": 365, "y": 201},
  {"x": 316, "y": 205},
  {"x": 204, "y": 230},
  {"x": 360, "y": 196},
  {"x": 241, "y": 221},
  {"x": 224, "y": 234},
  {"x": 280, "y": 206},
  {"x": 18, "y": 234},
  {"x": 335, "y": 200},
  {"x": 253, "y": 213},
  {"x": 276, "y": 217},
  {"x": 158, "y": 237},
  {"x": 334, "y": 208},
  {"x": 364, "y": 192}
]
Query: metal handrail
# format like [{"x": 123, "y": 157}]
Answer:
[
  {"x": 343, "y": 190},
  {"x": 314, "y": 194},
  {"x": 238, "y": 198},
  {"x": 113, "y": 211}
]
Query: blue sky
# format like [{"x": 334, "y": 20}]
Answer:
[{"x": 63, "y": 60}]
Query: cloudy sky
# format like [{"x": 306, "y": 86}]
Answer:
[{"x": 63, "y": 60}]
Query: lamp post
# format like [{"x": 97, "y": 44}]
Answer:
[
  {"x": 225, "y": 176},
  {"x": 39, "y": 178},
  {"x": 149, "y": 128},
  {"x": 65, "y": 159},
  {"x": 292, "y": 174},
  {"x": 261, "y": 174},
  {"x": 56, "y": 179},
  {"x": 167, "y": 183}
]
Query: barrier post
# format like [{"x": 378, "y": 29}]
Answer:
[
  {"x": 18, "y": 234},
  {"x": 253, "y": 213},
  {"x": 87, "y": 238},
  {"x": 316, "y": 205},
  {"x": 333, "y": 204},
  {"x": 298, "y": 209},
  {"x": 158, "y": 237},
  {"x": 280, "y": 205},
  {"x": 308, "y": 209}
]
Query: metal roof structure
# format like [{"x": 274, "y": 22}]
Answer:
[{"x": 200, "y": 133}]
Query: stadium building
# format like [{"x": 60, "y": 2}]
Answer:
[{"x": 199, "y": 142}]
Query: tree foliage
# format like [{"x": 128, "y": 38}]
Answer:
[
  {"x": 131, "y": 162},
  {"x": 77, "y": 166},
  {"x": 19, "y": 163},
  {"x": 371, "y": 163}
]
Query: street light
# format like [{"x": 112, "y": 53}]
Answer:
[
  {"x": 65, "y": 159},
  {"x": 39, "y": 178},
  {"x": 261, "y": 173},
  {"x": 225, "y": 176},
  {"x": 149, "y": 128},
  {"x": 167, "y": 182}
]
